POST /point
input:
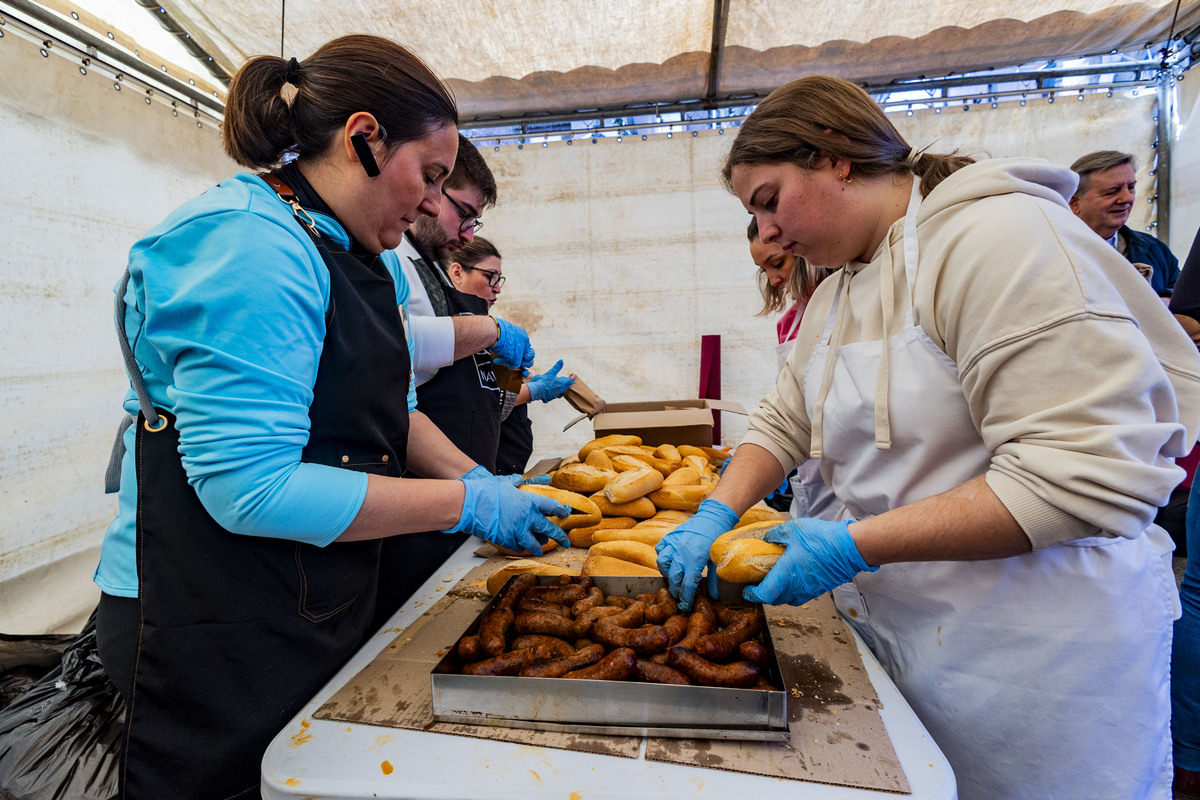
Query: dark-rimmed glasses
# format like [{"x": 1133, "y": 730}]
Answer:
[
  {"x": 494, "y": 279},
  {"x": 469, "y": 220}
]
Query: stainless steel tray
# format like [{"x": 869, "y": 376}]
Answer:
[{"x": 624, "y": 708}]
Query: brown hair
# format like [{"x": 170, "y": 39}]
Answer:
[
  {"x": 820, "y": 117},
  {"x": 471, "y": 170},
  {"x": 276, "y": 105},
  {"x": 1084, "y": 166},
  {"x": 472, "y": 253},
  {"x": 801, "y": 282}
]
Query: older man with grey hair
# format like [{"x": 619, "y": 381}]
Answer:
[{"x": 1104, "y": 198}]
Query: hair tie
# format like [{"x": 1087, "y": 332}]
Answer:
[
  {"x": 293, "y": 72},
  {"x": 914, "y": 156}
]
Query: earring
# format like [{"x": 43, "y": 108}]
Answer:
[{"x": 842, "y": 175}]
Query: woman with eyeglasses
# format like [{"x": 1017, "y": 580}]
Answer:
[
  {"x": 263, "y": 335},
  {"x": 476, "y": 269}
]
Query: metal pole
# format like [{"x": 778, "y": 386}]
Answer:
[{"x": 1166, "y": 140}]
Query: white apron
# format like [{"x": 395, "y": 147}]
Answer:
[
  {"x": 810, "y": 496},
  {"x": 1043, "y": 676}
]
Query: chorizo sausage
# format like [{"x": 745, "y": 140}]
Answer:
[
  {"x": 651, "y": 672},
  {"x": 618, "y": 601},
  {"x": 593, "y": 598},
  {"x": 662, "y": 607},
  {"x": 754, "y": 652},
  {"x": 544, "y": 623},
  {"x": 616, "y": 666},
  {"x": 676, "y": 628},
  {"x": 563, "y": 595},
  {"x": 509, "y": 663},
  {"x": 708, "y": 608},
  {"x": 512, "y": 591},
  {"x": 470, "y": 648},
  {"x": 584, "y": 622},
  {"x": 644, "y": 641},
  {"x": 557, "y": 667},
  {"x": 534, "y": 604},
  {"x": 721, "y": 646},
  {"x": 493, "y": 630},
  {"x": 557, "y": 646},
  {"x": 739, "y": 674},
  {"x": 582, "y": 580},
  {"x": 699, "y": 624},
  {"x": 631, "y": 617}
]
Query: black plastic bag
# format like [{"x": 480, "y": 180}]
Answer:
[{"x": 60, "y": 738}]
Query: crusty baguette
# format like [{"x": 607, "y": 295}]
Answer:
[
  {"x": 599, "y": 459},
  {"x": 587, "y": 513},
  {"x": 641, "y": 508},
  {"x": 673, "y": 516},
  {"x": 624, "y": 463},
  {"x": 761, "y": 513},
  {"x": 668, "y": 452},
  {"x": 581, "y": 478},
  {"x": 748, "y": 560},
  {"x": 607, "y": 565},
  {"x": 606, "y": 441},
  {"x": 637, "y": 552},
  {"x": 649, "y": 534},
  {"x": 684, "y": 476},
  {"x": 629, "y": 486},
  {"x": 722, "y": 543},
  {"x": 582, "y": 537},
  {"x": 680, "y": 498},
  {"x": 498, "y": 578}
]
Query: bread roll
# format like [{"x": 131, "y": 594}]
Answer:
[
  {"x": 668, "y": 452},
  {"x": 607, "y": 441},
  {"x": 754, "y": 530},
  {"x": 600, "y": 460},
  {"x": 581, "y": 478},
  {"x": 546, "y": 548},
  {"x": 684, "y": 476},
  {"x": 650, "y": 534},
  {"x": 637, "y": 552},
  {"x": 670, "y": 515},
  {"x": 629, "y": 486},
  {"x": 498, "y": 578},
  {"x": 748, "y": 560},
  {"x": 624, "y": 463},
  {"x": 761, "y": 513},
  {"x": 680, "y": 498},
  {"x": 607, "y": 565},
  {"x": 713, "y": 455},
  {"x": 698, "y": 463},
  {"x": 582, "y": 537},
  {"x": 587, "y": 513},
  {"x": 641, "y": 508}
]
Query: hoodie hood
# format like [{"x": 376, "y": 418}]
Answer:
[{"x": 998, "y": 176}]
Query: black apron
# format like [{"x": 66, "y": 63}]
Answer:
[
  {"x": 516, "y": 442},
  {"x": 463, "y": 401},
  {"x": 239, "y": 632}
]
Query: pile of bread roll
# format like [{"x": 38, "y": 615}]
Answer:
[{"x": 625, "y": 496}]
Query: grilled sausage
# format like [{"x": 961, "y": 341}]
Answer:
[
  {"x": 662, "y": 607},
  {"x": 563, "y": 595},
  {"x": 721, "y": 646},
  {"x": 651, "y": 672},
  {"x": 557, "y": 646},
  {"x": 699, "y": 624},
  {"x": 645, "y": 641},
  {"x": 509, "y": 663},
  {"x": 584, "y": 622},
  {"x": 616, "y": 666},
  {"x": 470, "y": 648},
  {"x": 534, "y": 604},
  {"x": 618, "y": 601},
  {"x": 593, "y": 598},
  {"x": 493, "y": 631},
  {"x": 544, "y": 623},
  {"x": 512, "y": 591},
  {"x": 754, "y": 652},
  {"x": 558, "y": 667},
  {"x": 739, "y": 674},
  {"x": 676, "y": 628}
]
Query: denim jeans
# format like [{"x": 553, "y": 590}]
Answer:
[{"x": 1185, "y": 655}]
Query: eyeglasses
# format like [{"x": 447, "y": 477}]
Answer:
[
  {"x": 469, "y": 220},
  {"x": 494, "y": 279}
]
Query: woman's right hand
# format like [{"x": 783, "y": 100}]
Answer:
[{"x": 499, "y": 513}]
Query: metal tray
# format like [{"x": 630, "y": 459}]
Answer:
[{"x": 623, "y": 708}]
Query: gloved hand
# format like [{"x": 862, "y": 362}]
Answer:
[
  {"x": 516, "y": 480},
  {"x": 512, "y": 348},
  {"x": 683, "y": 553},
  {"x": 499, "y": 513},
  {"x": 548, "y": 386},
  {"x": 476, "y": 473},
  {"x": 819, "y": 556}
]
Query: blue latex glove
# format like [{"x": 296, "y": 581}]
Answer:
[
  {"x": 819, "y": 556},
  {"x": 515, "y": 480},
  {"x": 512, "y": 348},
  {"x": 499, "y": 513},
  {"x": 536, "y": 480},
  {"x": 476, "y": 473},
  {"x": 548, "y": 386},
  {"x": 683, "y": 553},
  {"x": 724, "y": 464},
  {"x": 783, "y": 488}
]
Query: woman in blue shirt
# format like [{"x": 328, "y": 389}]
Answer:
[{"x": 271, "y": 372}]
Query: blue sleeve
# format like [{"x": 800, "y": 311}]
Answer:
[
  {"x": 234, "y": 315},
  {"x": 392, "y": 262}
]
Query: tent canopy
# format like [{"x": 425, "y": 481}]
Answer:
[{"x": 506, "y": 59}]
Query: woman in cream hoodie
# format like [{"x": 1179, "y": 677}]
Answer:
[{"x": 1001, "y": 458}]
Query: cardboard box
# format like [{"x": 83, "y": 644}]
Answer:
[{"x": 664, "y": 421}]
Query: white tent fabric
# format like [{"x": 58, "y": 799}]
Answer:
[{"x": 505, "y": 58}]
